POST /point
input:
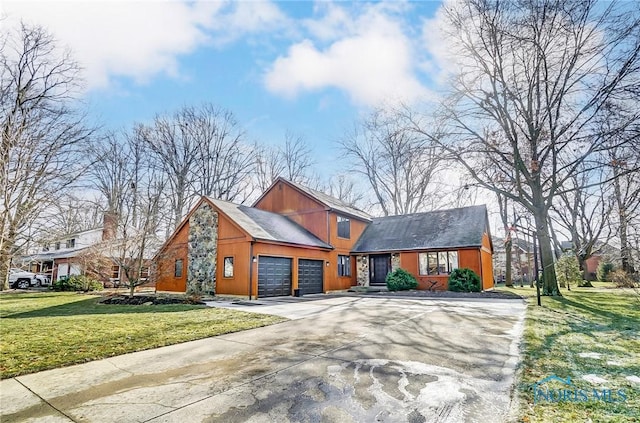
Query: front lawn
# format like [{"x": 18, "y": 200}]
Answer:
[
  {"x": 41, "y": 331},
  {"x": 592, "y": 336}
]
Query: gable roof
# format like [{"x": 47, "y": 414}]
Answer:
[
  {"x": 328, "y": 201},
  {"x": 267, "y": 226},
  {"x": 453, "y": 228}
]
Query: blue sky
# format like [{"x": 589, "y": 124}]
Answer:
[{"x": 308, "y": 67}]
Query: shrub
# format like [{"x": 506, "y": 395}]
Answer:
[
  {"x": 77, "y": 283},
  {"x": 604, "y": 268},
  {"x": 568, "y": 270},
  {"x": 585, "y": 284},
  {"x": 464, "y": 280},
  {"x": 622, "y": 279},
  {"x": 401, "y": 280}
]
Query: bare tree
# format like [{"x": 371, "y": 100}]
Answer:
[
  {"x": 202, "y": 151},
  {"x": 41, "y": 133},
  {"x": 292, "y": 160},
  {"x": 224, "y": 163},
  {"x": 345, "y": 189},
  {"x": 112, "y": 173},
  {"x": 532, "y": 78},
  {"x": 626, "y": 187},
  {"x": 503, "y": 204},
  {"x": 132, "y": 188},
  {"x": 175, "y": 151},
  {"x": 398, "y": 165},
  {"x": 584, "y": 213}
]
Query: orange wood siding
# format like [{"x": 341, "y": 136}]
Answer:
[
  {"x": 165, "y": 263},
  {"x": 238, "y": 284},
  {"x": 469, "y": 258},
  {"x": 409, "y": 262},
  {"x": 342, "y": 244},
  {"x": 487, "y": 262},
  {"x": 487, "y": 270},
  {"x": 232, "y": 242},
  {"x": 299, "y": 207}
]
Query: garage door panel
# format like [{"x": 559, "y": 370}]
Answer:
[
  {"x": 310, "y": 276},
  {"x": 274, "y": 276}
]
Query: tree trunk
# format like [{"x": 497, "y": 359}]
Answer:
[
  {"x": 622, "y": 216},
  {"x": 550, "y": 283},
  {"x": 508, "y": 277},
  {"x": 5, "y": 265},
  {"x": 582, "y": 263}
]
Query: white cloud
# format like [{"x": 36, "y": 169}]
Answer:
[
  {"x": 140, "y": 39},
  {"x": 369, "y": 57}
]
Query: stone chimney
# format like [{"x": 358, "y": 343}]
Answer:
[{"x": 109, "y": 226}]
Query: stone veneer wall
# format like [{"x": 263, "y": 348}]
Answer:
[
  {"x": 395, "y": 261},
  {"x": 362, "y": 270},
  {"x": 203, "y": 249}
]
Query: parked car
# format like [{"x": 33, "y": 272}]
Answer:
[{"x": 22, "y": 279}]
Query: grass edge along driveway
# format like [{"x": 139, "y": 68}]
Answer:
[
  {"x": 41, "y": 331},
  {"x": 592, "y": 336}
]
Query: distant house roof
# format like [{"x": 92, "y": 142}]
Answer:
[
  {"x": 268, "y": 226},
  {"x": 454, "y": 228},
  {"x": 56, "y": 254},
  {"x": 327, "y": 200}
]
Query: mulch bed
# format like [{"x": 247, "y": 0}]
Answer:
[{"x": 147, "y": 300}]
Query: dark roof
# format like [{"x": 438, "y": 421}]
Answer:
[
  {"x": 326, "y": 200},
  {"x": 267, "y": 226},
  {"x": 454, "y": 228}
]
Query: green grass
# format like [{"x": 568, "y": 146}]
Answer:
[
  {"x": 41, "y": 331},
  {"x": 585, "y": 320}
]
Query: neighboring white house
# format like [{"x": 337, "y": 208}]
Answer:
[{"x": 56, "y": 258}]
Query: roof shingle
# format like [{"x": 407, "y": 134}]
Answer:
[
  {"x": 264, "y": 225},
  {"x": 453, "y": 228}
]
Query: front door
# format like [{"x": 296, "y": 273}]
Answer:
[{"x": 379, "y": 268}]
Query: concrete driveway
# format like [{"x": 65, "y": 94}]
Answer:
[{"x": 341, "y": 359}]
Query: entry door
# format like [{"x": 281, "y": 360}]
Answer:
[{"x": 379, "y": 268}]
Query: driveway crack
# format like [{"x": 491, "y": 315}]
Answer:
[{"x": 45, "y": 401}]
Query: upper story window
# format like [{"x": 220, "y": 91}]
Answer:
[
  {"x": 438, "y": 263},
  {"x": 45, "y": 247},
  {"x": 58, "y": 245},
  {"x": 344, "y": 227},
  {"x": 71, "y": 243}
]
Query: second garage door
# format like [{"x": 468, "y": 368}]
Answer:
[
  {"x": 310, "y": 276},
  {"x": 274, "y": 276}
]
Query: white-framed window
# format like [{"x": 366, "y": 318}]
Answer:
[
  {"x": 437, "y": 263},
  {"x": 344, "y": 265},
  {"x": 228, "y": 267}
]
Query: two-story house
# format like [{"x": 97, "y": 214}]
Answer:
[{"x": 295, "y": 239}]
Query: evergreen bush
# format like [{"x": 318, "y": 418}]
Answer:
[
  {"x": 401, "y": 280},
  {"x": 77, "y": 283},
  {"x": 464, "y": 280}
]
